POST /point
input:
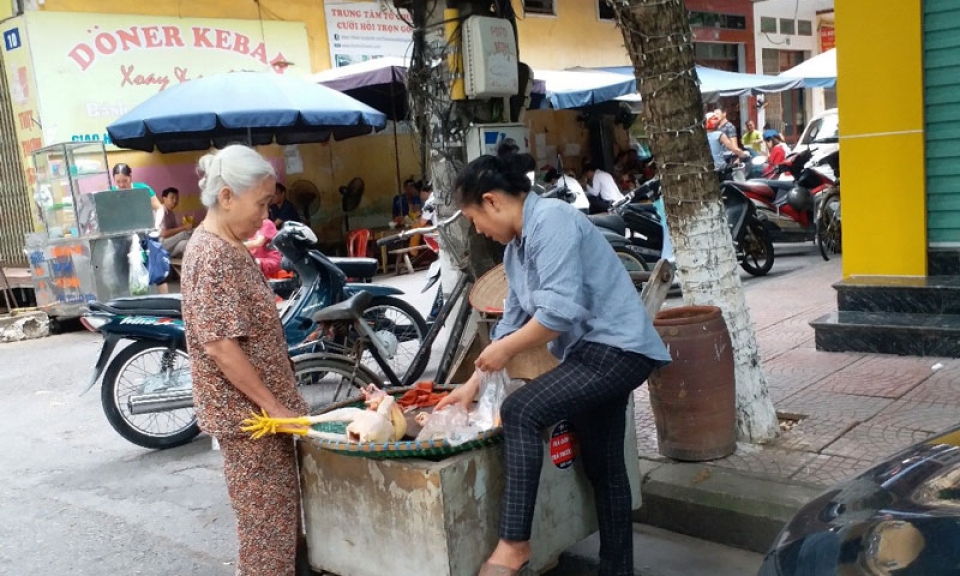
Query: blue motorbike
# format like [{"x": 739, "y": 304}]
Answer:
[{"x": 147, "y": 391}]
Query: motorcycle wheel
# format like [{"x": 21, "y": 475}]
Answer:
[
  {"x": 632, "y": 262},
  {"x": 324, "y": 380},
  {"x": 125, "y": 377},
  {"x": 757, "y": 250},
  {"x": 401, "y": 320},
  {"x": 828, "y": 226}
]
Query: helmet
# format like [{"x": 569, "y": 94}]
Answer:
[
  {"x": 768, "y": 134},
  {"x": 800, "y": 199},
  {"x": 712, "y": 121}
]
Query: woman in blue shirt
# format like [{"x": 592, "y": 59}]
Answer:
[{"x": 567, "y": 289}]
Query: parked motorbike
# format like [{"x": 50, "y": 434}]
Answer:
[
  {"x": 635, "y": 229},
  {"x": 146, "y": 388},
  {"x": 789, "y": 209}
]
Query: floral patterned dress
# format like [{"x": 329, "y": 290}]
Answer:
[{"x": 226, "y": 297}]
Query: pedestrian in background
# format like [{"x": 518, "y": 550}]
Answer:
[
  {"x": 282, "y": 210},
  {"x": 752, "y": 138},
  {"x": 173, "y": 235},
  {"x": 238, "y": 359}
]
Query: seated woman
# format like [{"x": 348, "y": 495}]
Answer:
[
  {"x": 566, "y": 289},
  {"x": 267, "y": 257}
]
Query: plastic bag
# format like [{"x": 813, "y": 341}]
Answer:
[
  {"x": 139, "y": 278},
  {"x": 158, "y": 259},
  {"x": 457, "y": 426},
  {"x": 493, "y": 391},
  {"x": 451, "y": 424}
]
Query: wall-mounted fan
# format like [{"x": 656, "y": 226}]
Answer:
[{"x": 350, "y": 197}]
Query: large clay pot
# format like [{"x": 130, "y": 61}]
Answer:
[{"x": 694, "y": 398}]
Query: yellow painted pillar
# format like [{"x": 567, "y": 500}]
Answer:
[{"x": 880, "y": 99}]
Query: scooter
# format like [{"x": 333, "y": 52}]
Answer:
[
  {"x": 151, "y": 376},
  {"x": 635, "y": 228},
  {"x": 787, "y": 208}
]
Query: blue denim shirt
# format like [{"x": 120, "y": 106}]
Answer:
[{"x": 563, "y": 272}]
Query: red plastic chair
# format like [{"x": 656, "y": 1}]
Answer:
[{"x": 357, "y": 241}]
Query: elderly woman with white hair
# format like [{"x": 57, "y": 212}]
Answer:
[{"x": 238, "y": 359}]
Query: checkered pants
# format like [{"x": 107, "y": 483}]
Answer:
[{"x": 591, "y": 389}]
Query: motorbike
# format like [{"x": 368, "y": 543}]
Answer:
[
  {"x": 790, "y": 209},
  {"x": 635, "y": 229},
  {"x": 146, "y": 388}
]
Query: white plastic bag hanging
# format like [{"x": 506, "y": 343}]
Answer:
[{"x": 139, "y": 277}]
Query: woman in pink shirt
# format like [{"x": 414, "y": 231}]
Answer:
[{"x": 266, "y": 256}]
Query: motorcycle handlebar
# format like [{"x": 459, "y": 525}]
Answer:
[{"x": 406, "y": 234}]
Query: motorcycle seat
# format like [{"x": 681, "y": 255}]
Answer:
[
  {"x": 350, "y": 309},
  {"x": 609, "y": 221},
  {"x": 166, "y": 306},
  {"x": 356, "y": 267}
]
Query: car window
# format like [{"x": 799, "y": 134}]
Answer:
[
  {"x": 812, "y": 130},
  {"x": 829, "y": 131}
]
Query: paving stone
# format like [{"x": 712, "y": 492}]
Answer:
[
  {"x": 814, "y": 433},
  {"x": 875, "y": 441},
  {"x": 801, "y": 367},
  {"x": 776, "y": 342},
  {"x": 890, "y": 384},
  {"x": 832, "y": 406},
  {"x": 942, "y": 387},
  {"x": 932, "y": 417},
  {"x": 765, "y": 461},
  {"x": 829, "y": 470}
]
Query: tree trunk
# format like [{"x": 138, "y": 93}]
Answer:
[{"x": 662, "y": 56}]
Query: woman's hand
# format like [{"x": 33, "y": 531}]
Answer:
[
  {"x": 463, "y": 395},
  {"x": 495, "y": 356}
]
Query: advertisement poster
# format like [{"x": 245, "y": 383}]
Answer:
[
  {"x": 93, "y": 68},
  {"x": 361, "y": 31},
  {"x": 23, "y": 91}
]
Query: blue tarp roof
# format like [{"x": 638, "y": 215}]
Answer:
[{"x": 588, "y": 86}]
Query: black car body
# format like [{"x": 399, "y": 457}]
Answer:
[{"x": 900, "y": 518}]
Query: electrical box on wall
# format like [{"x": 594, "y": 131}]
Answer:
[
  {"x": 489, "y": 57},
  {"x": 486, "y": 138}
]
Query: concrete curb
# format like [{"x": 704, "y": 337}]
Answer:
[
  {"x": 718, "y": 504},
  {"x": 24, "y": 326}
]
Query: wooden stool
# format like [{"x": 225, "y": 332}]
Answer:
[{"x": 403, "y": 255}]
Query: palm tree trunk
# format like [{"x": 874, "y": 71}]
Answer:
[{"x": 657, "y": 36}]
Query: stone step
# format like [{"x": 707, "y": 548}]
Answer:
[
  {"x": 908, "y": 334},
  {"x": 718, "y": 504},
  {"x": 926, "y": 295}
]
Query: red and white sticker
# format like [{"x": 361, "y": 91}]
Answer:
[{"x": 562, "y": 443}]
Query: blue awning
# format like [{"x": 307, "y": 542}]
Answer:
[
  {"x": 721, "y": 83},
  {"x": 578, "y": 88}
]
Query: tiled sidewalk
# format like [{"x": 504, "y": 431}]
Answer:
[{"x": 857, "y": 409}]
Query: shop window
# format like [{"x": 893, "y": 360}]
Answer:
[
  {"x": 804, "y": 27},
  {"x": 605, "y": 11},
  {"x": 788, "y": 26},
  {"x": 768, "y": 25},
  {"x": 539, "y": 7},
  {"x": 715, "y": 20}
]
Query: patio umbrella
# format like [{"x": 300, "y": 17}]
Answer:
[
  {"x": 378, "y": 83},
  {"x": 817, "y": 72},
  {"x": 252, "y": 107}
]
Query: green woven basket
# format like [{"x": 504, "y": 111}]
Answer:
[{"x": 401, "y": 449}]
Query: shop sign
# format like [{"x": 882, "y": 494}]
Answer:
[
  {"x": 23, "y": 92},
  {"x": 360, "y": 31},
  {"x": 827, "y": 38},
  {"x": 93, "y": 68}
]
